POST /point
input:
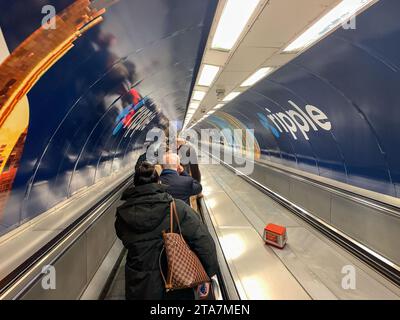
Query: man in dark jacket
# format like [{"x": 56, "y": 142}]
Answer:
[
  {"x": 179, "y": 184},
  {"x": 139, "y": 224}
]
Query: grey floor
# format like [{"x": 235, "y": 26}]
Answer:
[{"x": 309, "y": 267}]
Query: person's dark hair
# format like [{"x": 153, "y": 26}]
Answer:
[{"x": 145, "y": 173}]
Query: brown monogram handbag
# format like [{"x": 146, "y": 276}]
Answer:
[{"x": 184, "y": 267}]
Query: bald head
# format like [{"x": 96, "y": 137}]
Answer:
[{"x": 171, "y": 161}]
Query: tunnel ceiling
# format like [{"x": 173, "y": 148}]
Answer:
[
  {"x": 88, "y": 115},
  {"x": 273, "y": 24}
]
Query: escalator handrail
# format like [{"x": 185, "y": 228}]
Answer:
[{"x": 24, "y": 269}]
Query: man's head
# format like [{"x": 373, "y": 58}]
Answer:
[{"x": 171, "y": 161}]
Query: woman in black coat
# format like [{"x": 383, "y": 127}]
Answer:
[{"x": 139, "y": 224}]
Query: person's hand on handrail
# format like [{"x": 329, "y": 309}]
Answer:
[{"x": 180, "y": 169}]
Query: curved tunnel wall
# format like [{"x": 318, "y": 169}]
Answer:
[
  {"x": 352, "y": 78},
  {"x": 141, "y": 59}
]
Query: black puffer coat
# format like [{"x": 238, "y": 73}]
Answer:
[{"x": 139, "y": 224}]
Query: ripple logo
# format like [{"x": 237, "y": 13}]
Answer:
[
  {"x": 295, "y": 121},
  {"x": 264, "y": 121}
]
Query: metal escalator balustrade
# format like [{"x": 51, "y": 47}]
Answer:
[
  {"x": 222, "y": 284},
  {"x": 359, "y": 247},
  {"x": 74, "y": 239},
  {"x": 311, "y": 265}
]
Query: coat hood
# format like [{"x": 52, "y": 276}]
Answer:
[{"x": 145, "y": 207}]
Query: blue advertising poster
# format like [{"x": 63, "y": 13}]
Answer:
[
  {"x": 102, "y": 80},
  {"x": 334, "y": 110}
]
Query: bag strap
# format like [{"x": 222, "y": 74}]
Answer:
[
  {"x": 174, "y": 213},
  {"x": 160, "y": 266},
  {"x": 171, "y": 217}
]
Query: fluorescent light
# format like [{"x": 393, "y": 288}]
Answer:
[
  {"x": 256, "y": 76},
  {"x": 208, "y": 75},
  {"x": 219, "y": 106},
  {"x": 198, "y": 95},
  {"x": 233, "y": 20},
  {"x": 232, "y": 96},
  {"x": 210, "y": 112},
  {"x": 338, "y": 15},
  {"x": 194, "y": 105}
]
